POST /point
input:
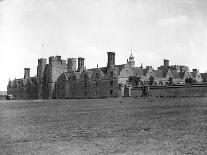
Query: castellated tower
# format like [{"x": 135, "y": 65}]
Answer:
[
  {"x": 71, "y": 64},
  {"x": 111, "y": 59},
  {"x": 80, "y": 64},
  {"x": 26, "y": 73},
  {"x": 55, "y": 68}
]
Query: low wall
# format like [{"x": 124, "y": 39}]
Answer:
[{"x": 173, "y": 91}]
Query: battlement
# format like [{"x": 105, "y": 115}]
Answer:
[
  {"x": 56, "y": 59},
  {"x": 42, "y": 61}
]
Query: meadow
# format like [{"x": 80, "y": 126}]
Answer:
[{"x": 104, "y": 126}]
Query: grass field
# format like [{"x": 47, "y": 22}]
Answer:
[{"x": 107, "y": 126}]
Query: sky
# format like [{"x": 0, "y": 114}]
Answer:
[{"x": 153, "y": 29}]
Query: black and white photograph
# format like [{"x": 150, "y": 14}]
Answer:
[{"x": 103, "y": 77}]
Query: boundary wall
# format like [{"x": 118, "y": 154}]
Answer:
[{"x": 173, "y": 91}]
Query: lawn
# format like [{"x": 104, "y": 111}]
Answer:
[{"x": 104, "y": 126}]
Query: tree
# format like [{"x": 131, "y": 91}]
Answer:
[
  {"x": 189, "y": 80},
  {"x": 134, "y": 80},
  {"x": 151, "y": 80}
]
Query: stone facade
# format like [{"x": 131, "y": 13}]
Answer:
[{"x": 64, "y": 80}]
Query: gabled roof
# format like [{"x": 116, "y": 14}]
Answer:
[
  {"x": 176, "y": 75},
  {"x": 25, "y": 82},
  {"x": 137, "y": 71},
  {"x": 204, "y": 76},
  {"x": 181, "y": 74},
  {"x": 158, "y": 73},
  {"x": 194, "y": 74}
]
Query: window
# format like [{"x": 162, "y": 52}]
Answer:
[
  {"x": 85, "y": 84},
  {"x": 96, "y": 84},
  {"x": 97, "y": 75},
  {"x": 85, "y": 93},
  {"x": 111, "y": 83},
  {"x": 112, "y": 74},
  {"x": 111, "y": 92},
  {"x": 85, "y": 77}
]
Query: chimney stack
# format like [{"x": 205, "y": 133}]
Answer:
[
  {"x": 26, "y": 73},
  {"x": 71, "y": 64},
  {"x": 80, "y": 63},
  {"x": 111, "y": 59},
  {"x": 166, "y": 62}
]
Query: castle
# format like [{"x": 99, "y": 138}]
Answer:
[{"x": 61, "y": 79}]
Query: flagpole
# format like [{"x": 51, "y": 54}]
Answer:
[{"x": 42, "y": 45}]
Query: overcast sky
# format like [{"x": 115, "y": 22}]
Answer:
[{"x": 153, "y": 29}]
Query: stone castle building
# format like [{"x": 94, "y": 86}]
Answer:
[{"x": 68, "y": 79}]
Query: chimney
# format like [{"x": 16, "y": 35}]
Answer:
[
  {"x": 111, "y": 59},
  {"x": 195, "y": 70},
  {"x": 166, "y": 62},
  {"x": 71, "y": 64},
  {"x": 80, "y": 63},
  {"x": 26, "y": 73}
]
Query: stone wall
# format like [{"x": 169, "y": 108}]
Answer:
[
  {"x": 92, "y": 89},
  {"x": 173, "y": 91}
]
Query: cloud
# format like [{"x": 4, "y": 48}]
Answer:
[{"x": 173, "y": 21}]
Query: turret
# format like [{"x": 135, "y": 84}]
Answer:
[
  {"x": 26, "y": 73},
  {"x": 71, "y": 64},
  {"x": 80, "y": 64},
  {"x": 111, "y": 59},
  {"x": 131, "y": 61}
]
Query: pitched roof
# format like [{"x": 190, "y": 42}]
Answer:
[
  {"x": 158, "y": 73},
  {"x": 137, "y": 71},
  {"x": 194, "y": 73},
  {"x": 176, "y": 75},
  {"x": 181, "y": 74},
  {"x": 204, "y": 76}
]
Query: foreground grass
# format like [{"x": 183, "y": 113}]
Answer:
[{"x": 110, "y": 126}]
